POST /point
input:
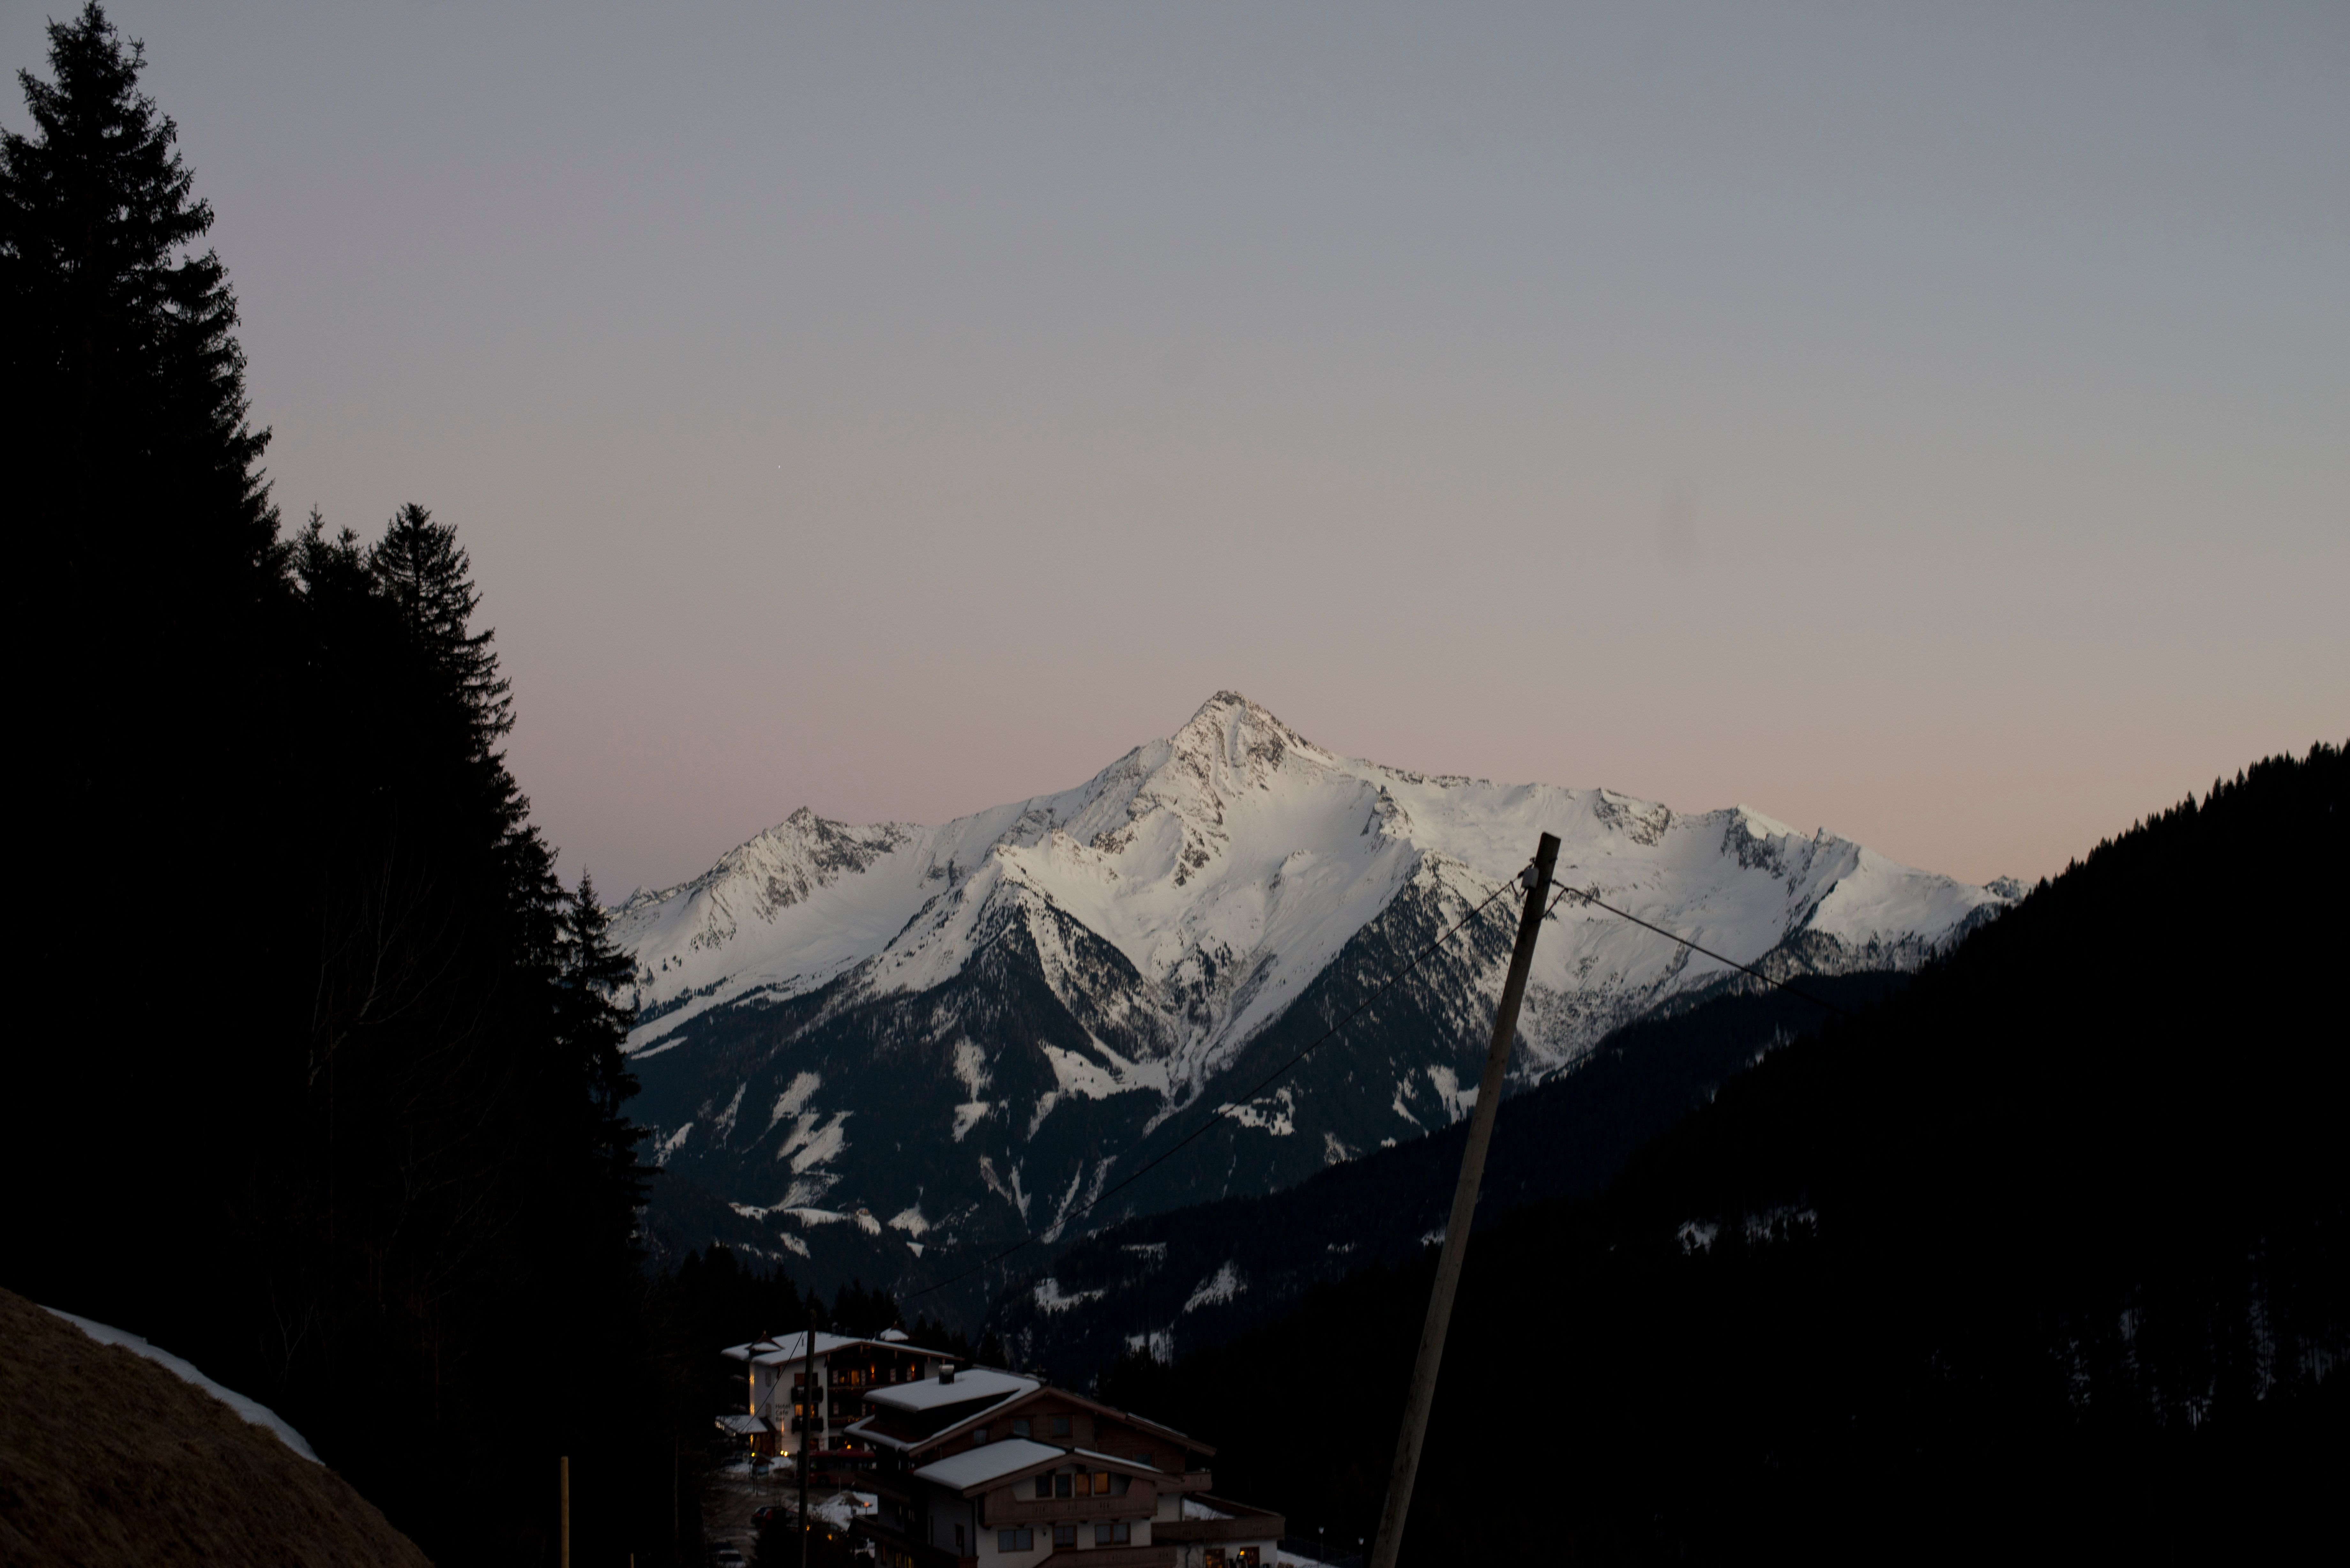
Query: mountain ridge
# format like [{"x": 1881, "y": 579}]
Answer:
[{"x": 1038, "y": 991}]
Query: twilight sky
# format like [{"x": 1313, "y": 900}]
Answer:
[{"x": 1928, "y": 422}]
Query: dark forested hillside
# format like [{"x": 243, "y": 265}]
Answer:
[
  {"x": 349, "y": 1134},
  {"x": 2052, "y": 1247},
  {"x": 1194, "y": 1276}
]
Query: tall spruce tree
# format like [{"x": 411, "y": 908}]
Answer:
[
  {"x": 145, "y": 586},
  {"x": 124, "y": 381},
  {"x": 423, "y": 570}
]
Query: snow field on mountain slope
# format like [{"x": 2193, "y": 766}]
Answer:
[{"x": 1236, "y": 847}]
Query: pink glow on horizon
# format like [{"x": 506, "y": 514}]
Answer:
[{"x": 1927, "y": 426}]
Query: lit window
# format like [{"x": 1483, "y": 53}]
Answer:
[{"x": 1101, "y": 1483}]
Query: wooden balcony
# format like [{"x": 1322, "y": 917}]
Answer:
[
  {"x": 1151, "y": 1556},
  {"x": 1244, "y": 1524},
  {"x": 995, "y": 1512},
  {"x": 1215, "y": 1532}
]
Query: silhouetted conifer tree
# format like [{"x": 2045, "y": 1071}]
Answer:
[{"x": 315, "y": 1023}]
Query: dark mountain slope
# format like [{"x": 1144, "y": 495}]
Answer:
[
  {"x": 2052, "y": 1247},
  {"x": 1178, "y": 1281}
]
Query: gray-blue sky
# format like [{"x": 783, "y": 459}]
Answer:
[{"x": 1928, "y": 423}]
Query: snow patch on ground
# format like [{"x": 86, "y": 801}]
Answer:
[
  {"x": 1216, "y": 1289},
  {"x": 795, "y": 1100},
  {"x": 1264, "y": 1116},
  {"x": 970, "y": 1067},
  {"x": 726, "y": 1124},
  {"x": 253, "y": 1410},
  {"x": 1457, "y": 1101},
  {"x": 1050, "y": 1298},
  {"x": 811, "y": 1145}
]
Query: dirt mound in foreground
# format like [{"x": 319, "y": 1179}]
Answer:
[{"x": 107, "y": 1458}]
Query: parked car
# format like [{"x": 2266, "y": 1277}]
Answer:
[{"x": 759, "y": 1516}]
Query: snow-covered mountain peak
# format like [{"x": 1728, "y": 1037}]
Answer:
[
  {"x": 1227, "y": 865},
  {"x": 1006, "y": 1006},
  {"x": 1238, "y": 743}
]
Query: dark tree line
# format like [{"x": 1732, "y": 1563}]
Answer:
[
  {"x": 2048, "y": 1250},
  {"x": 314, "y": 1076}
]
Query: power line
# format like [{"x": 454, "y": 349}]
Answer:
[
  {"x": 1221, "y": 1111},
  {"x": 1590, "y": 897},
  {"x": 1565, "y": 891}
]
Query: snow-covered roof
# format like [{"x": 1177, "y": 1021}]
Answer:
[
  {"x": 1123, "y": 1461},
  {"x": 987, "y": 1462},
  {"x": 793, "y": 1346},
  {"x": 929, "y": 1394},
  {"x": 744, "y": 1424}
]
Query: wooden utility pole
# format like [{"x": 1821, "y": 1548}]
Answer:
[
  {"x": 1422, "y": 1393},
  {"x": 807, "y": 1434},
  {"x": 562, "y": 1531}
]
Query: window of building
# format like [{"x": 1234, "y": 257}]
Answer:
[
  {"x": 1020, "y": 1427},
  {"x": 1216, "y": 1557},
  {"x": 958, "y": 1539},
  {"x": 1109, "y": 1534},
  {"x": 1061, "y": 1484},
  {"x": 1101, "y": 1483},
  {"x": 978, "y": 1433},
  {"x": 1244, "y": 1558},
  {"x": 1065, "y": 1535},
  {"x": 1045, "y": 1486},
  {"x": 1015, "y": 1541},
  {"x": 1060, "y": 1426}
]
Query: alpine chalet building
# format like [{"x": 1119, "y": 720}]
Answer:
[
  {"x": 790, "y": 1407},
  {"x": 985, "y": 1468}
]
